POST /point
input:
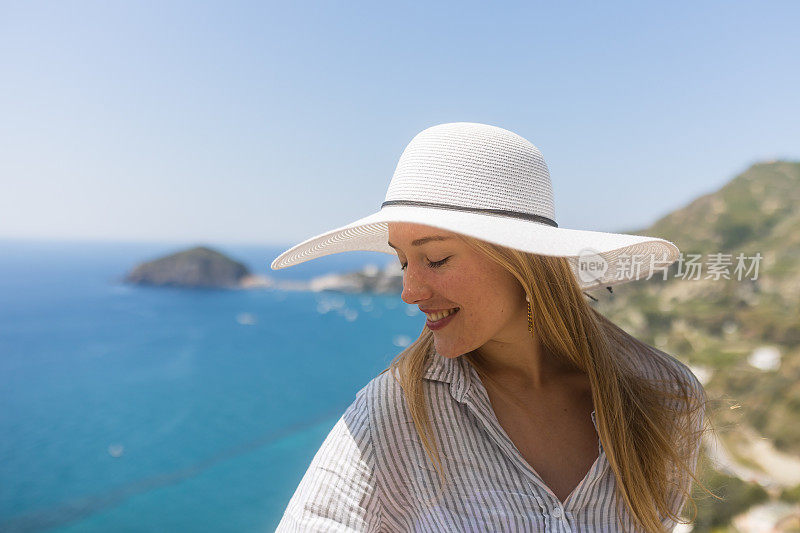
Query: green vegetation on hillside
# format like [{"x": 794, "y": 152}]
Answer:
[{"x": 717, "y": 324}]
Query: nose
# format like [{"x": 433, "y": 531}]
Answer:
[{"x": 415, "y": 288}]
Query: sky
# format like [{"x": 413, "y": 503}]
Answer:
[{"x": 268, "y": 123}]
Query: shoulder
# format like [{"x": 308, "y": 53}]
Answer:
[
  {"x": 663, "y": 367},
  {"x": 686, "y": 394},
  {"x": 384, "y": 382},
  {"x": 383, "y": 397},
  {"x": 387, "y": 406}
]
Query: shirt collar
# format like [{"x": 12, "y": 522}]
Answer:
[{"x": 456, "y": 371}]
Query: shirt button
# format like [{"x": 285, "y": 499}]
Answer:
[{"x": 556, "y": 512}]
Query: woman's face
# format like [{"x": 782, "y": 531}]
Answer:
[{"x": 444, "y": 273}]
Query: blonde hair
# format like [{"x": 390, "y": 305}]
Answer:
[{"x": 647, "y": 431}]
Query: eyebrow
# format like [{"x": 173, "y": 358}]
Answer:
[{"x": 423, "y": 240}]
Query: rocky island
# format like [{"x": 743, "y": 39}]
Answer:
[{"x": 194, "y": 268}]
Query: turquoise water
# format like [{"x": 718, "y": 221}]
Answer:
[{"x": 128, "y": 408}]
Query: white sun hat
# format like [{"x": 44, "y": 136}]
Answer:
[{"x": 489, "y": 183}]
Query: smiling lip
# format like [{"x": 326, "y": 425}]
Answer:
[
  {"x": 442, "y": 322},
  {"x": 432, "y": 310}
]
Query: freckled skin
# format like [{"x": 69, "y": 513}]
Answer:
[{"x": 493, "y": 311}]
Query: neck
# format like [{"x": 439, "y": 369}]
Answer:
[{"x": 522, "y": 366}]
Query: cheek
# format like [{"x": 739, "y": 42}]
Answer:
[
  {"x": 463, "y": 292},
  {"x": 494, "y": 302},
  {"x": 478, "y": 304}
]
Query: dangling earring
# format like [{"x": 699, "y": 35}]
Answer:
[{"x": 530, "y": 315}]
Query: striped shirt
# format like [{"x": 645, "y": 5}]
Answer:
[{"x": 372, "y": 474}]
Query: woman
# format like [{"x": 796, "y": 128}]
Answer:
[{"x": 519, "y": 407}]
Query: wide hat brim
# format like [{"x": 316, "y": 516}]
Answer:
[{"x": 598, "y": 259}]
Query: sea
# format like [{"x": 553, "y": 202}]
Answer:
[{"x": 133, "y": 408}]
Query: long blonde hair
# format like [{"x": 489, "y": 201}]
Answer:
[{"x": 647, "y": 430}]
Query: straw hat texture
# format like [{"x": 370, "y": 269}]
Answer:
[{"x": 492, "y": 184}]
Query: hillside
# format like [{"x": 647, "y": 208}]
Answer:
[
  {"x": 743, "y": 334},
  {"x": 740, "y": 335}
]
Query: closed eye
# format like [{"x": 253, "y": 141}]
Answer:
[{"x": 432, "y": 264}]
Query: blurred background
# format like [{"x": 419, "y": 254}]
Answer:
[{"x": 155, "y": 157}]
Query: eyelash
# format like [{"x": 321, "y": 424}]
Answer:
[{"x": 432, "y": 264}]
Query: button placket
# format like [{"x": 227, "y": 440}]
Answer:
[
  {"x": 558, "y": 520},
  {"x": 568, "y": 519}
]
